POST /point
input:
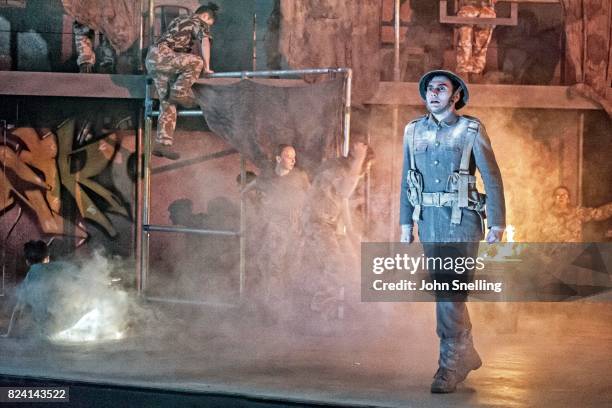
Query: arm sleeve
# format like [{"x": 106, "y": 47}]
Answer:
[
  {"x": 202, "y": 31},
  {"x": 406, "y": 208},
  {"x": 602, "y": 213},
  {"x": 491, "y": 176}
]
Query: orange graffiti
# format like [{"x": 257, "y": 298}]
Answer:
[{"x": 44, "y": 164}]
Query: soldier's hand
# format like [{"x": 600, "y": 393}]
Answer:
[
  {"x": 495, "y": 234},
  {"x": 86, "y": 68},
  {"x": 208, "y": 72},
  {"x": 407, "y": 236}
]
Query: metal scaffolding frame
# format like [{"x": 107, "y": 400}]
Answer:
[{"x": 145, "y": 228}]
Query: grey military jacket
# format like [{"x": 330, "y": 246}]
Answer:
[{"x": 437, "y": 150}]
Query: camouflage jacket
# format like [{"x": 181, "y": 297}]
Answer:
[
  {"x": 566, "y": 225},
  {"x": 183, "y": 33}
]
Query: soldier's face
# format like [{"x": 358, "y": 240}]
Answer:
[
  {"x": 287, "y": 158},
  {"x": 439, "y": 96},
  {"x": 561, "y": 197},
  {"x": 207, "y": 18}
]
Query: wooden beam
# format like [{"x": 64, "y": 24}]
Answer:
[
  {"x": 454, "y": 19},
  {"x": 489, "y": 96},
  {"x": 72, "y": 85},
  {"x": 389, "y": 93}
]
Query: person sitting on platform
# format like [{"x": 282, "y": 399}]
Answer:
[
  {"x": 474, "y": 39},
  {"x": 174, "y": 69}
]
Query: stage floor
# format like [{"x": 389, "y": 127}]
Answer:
[{"x": 552, "y": 361}]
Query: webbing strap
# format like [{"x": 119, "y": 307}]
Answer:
[
  {"x": 464, "y": 167},
  {"x": 412, "y": 130},
  {"x": 472, "y": 132},
  {"x": 413, "y": 178}
]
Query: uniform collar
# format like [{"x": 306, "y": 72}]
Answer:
[{"x": 450, "y": 121}]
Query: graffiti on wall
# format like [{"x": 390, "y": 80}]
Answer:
[{"x": 41, "y": 167}]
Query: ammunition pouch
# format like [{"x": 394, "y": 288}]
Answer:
[{"x": 415, "y": 192}]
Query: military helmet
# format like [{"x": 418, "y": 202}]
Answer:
[{"x": 455, "y": 79}]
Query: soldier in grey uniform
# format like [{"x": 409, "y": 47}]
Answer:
[{"x": 442, "y": 151}]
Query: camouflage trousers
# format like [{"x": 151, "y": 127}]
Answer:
[
  {"x": 171, "y": 72},
  {"x": 84, "y": 41},
  {"x": 474, "y": 40}
]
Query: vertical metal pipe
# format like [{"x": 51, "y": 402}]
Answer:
[
  {"x": 368, "y": 188},
  {"x": 584, "y": 40},
  {"x": 347, "y": 112},
  {"x": 5, "y": 195},
  {"x": 254, "y": 41},
  {"x": 395, "y": 123},
  {"x": 138, "y": 199},
  {"x": 396, "y": 41},
  {"x": 243, "y": 225},
  {"x": 146, "y": 190},
  {"x": 580, "y": 160},
  {"x": 141, "y": 37},
  {"x": 151, "y": 21}
]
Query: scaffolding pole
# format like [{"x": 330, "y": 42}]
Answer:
[{"x": 395, "y": 122}]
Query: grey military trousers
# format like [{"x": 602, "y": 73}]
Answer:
[{"x": 453, "y": 324}]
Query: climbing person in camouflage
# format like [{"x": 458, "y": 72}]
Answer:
[
  {"x": 474, "y": 39},
  {"x": 175, "y": 67},
  {"x": 84, "y": 37},
  {"x": 564, "y": 221}
]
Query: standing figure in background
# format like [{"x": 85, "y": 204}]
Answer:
[
  {"x": 175, "y": 67},
  {"x": 84, "y": 38},
  {"x": 117, "y": 24},
  {"x": 474, "y": 39},
  {"x": 282, "y": 191},
  {"x": 563, "y": 222},
  {"x": 324, "y": 279},
  {"x": 442, "y": 151}
]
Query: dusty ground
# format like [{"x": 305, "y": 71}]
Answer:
[{"x": 554, "y": 359}]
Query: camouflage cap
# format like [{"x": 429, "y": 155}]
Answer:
[{"x": 457, "y": 81}]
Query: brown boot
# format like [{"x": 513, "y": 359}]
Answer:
[
  {"x": 86, "y": 68},
  {"x": 446, "y": 379},
  {"x": 162, "y": 150}
]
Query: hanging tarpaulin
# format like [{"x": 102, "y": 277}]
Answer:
[
  {"x": 256, "y": 115},
  {"x": 118, "y": 20}
]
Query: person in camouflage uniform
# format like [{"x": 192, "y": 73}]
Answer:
[
  {"x": 474, "y": 39},
  {"x": 175, "y": 67},
  {"x": 563, "y": 223},
  {"x": 84, "y": 37}
]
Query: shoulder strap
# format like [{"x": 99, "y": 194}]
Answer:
[
  {"x": 409, "y": 134},
  {"x": 472, "y": 132}
]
